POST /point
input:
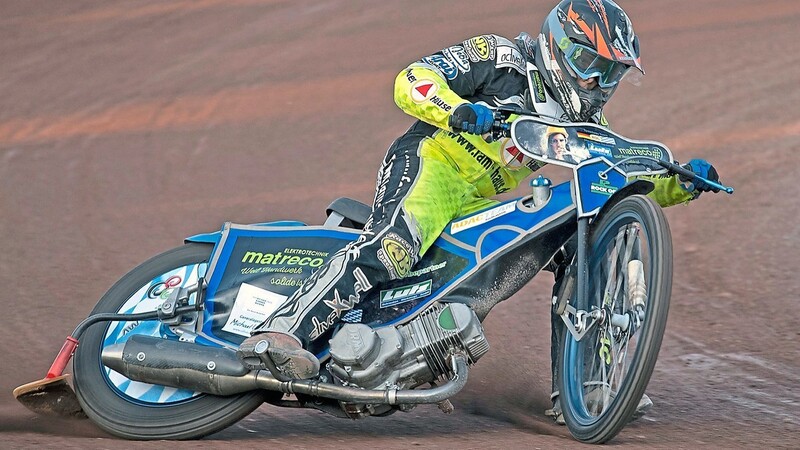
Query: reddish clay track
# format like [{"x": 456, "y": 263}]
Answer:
[{"x": 127, "y": 126}]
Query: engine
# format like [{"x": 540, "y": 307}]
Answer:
[{"x": 409, "y": 355}]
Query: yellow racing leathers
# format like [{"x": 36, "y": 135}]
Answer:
[{"x": 429, "y": 176}]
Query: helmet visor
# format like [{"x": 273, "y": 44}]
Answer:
[{"x": 587, "y": 64}]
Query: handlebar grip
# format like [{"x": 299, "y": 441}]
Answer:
[
  {"x": 454, "y": 124},
  {"x": 500, "y": 129},
  {"x": 680, "y": 170}
]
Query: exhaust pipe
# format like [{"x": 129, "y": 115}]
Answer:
[{"x": 218, "y": 371}]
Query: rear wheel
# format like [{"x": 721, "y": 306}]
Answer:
[
  {"x": 135, "y": 410},
  {"x": 604, "y": 375}
]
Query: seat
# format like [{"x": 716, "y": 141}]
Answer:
[{"x": 348, "y": 213}]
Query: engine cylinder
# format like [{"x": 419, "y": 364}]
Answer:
[{"x": 411, "y": 354}]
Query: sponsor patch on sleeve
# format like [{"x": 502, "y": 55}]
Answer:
[
  {"x": 458, "y": 56},
  {"x": 509, "y": 56},
  {"x": 481, "y": 48},
  {"x": 422, "y": 90},
  {"x": 447, "y": 67}
]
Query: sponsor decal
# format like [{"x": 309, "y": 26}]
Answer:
[
  {"x": 458, "y": 56},
  {"x": 473, "y": 151},
  {"x": 164, "y": 288},
  {"x": 512, "y": 158},
  {"x": 448, "y": 68},
  {"x": 340, "y": 304},
  {"x": 309, "y": 258},
  {"x": 481, "y": 218},
  {"x": 597, "y": 138},
  {"x": 603, "y": 187},
  {"x": 383, "y": 180},
  {"x": 405, "y": 294},
  {"x": 426, "y": 270},
  {"x": 269, "y": 269},
  {"x": 537, "y": 86},
  {"x": 422, "y": 90},
  {"x": 534, "y": 165},
  {"x": 290, "y": 260},
  {"x": 395, "y": 254},
  {"x": 564, "y": 43},
  {"x": 441, "y": 103},
  {"x": 129, "y": 327},
  {"x": 410, "y": 76},
  {"x": 653, "y": 152},
  {"x": 353, "y": 316},
  {"x": 598, "y": 149},
  {"x": 508, "y": 56},
  {"x": 251, "y": 307},
  {"x": 498, "y": 182},
  {"x": 285, "y": 281},
  {"x": 481, "y": 48}
]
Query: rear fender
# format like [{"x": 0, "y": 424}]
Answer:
[
  {"x": 205, "y": 238},
  {"x": 214, "y": 237}
]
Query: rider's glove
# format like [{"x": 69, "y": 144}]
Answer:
[
  {"x": 472, "y": 118},
  {"x": 704, "y": 169}
]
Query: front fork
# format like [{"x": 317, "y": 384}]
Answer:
[{"x": 576, "y": 318}]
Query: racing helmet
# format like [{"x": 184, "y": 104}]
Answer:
[{"x": 586, "y": 39}]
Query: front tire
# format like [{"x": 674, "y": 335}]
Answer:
[
  {"x": 604, "y": 375},
  {"x": 135, "y": 410}
]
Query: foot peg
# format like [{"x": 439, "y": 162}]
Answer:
[{"x": 279, "y": 353}]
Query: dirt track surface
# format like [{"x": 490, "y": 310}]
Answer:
[{"x": 126, "y": 126}]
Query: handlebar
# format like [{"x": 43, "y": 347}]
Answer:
[{"x": 501, "y": 128}]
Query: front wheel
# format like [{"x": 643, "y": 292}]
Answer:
[
  {"x": 135, "y": 410},
  {"x": 603, "y": 376}
]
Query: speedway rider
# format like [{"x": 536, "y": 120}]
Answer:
[{"x": 433, "y": 174}]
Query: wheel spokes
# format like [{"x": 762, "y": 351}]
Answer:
[{"x": 608, "y": 360}]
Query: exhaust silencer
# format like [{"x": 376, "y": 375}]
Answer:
[
  {"x": 185, "y": 365},
  {"x": 218, "y": 371}
]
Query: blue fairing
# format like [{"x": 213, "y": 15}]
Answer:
[{"x": 274, "y": 259}]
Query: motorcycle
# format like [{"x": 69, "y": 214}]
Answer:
[{"x": 157, "y": 356}]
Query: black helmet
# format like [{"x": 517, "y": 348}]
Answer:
[{"x": 586, "y": 39}]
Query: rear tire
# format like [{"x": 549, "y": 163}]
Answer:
[
  {"x": 135, "y": 410},
  {"x": 603, "y": 376}
]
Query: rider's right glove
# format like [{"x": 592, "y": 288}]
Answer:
[
  {"x": 472, "y": 118},
  {"x": 704, "y": 169}
]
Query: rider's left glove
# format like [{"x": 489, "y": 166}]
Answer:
[
  {"x": 704, "y": 169},
  {"x": 472, "y": 118}
]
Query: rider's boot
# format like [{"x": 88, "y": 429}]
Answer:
[
  {"x": 641, "y": 409},
  {"x": 555, "y": 412},
  {"x": 280, "y": 353}
]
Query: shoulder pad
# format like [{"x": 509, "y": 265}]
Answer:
[{"x": 509, "y": 55}]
